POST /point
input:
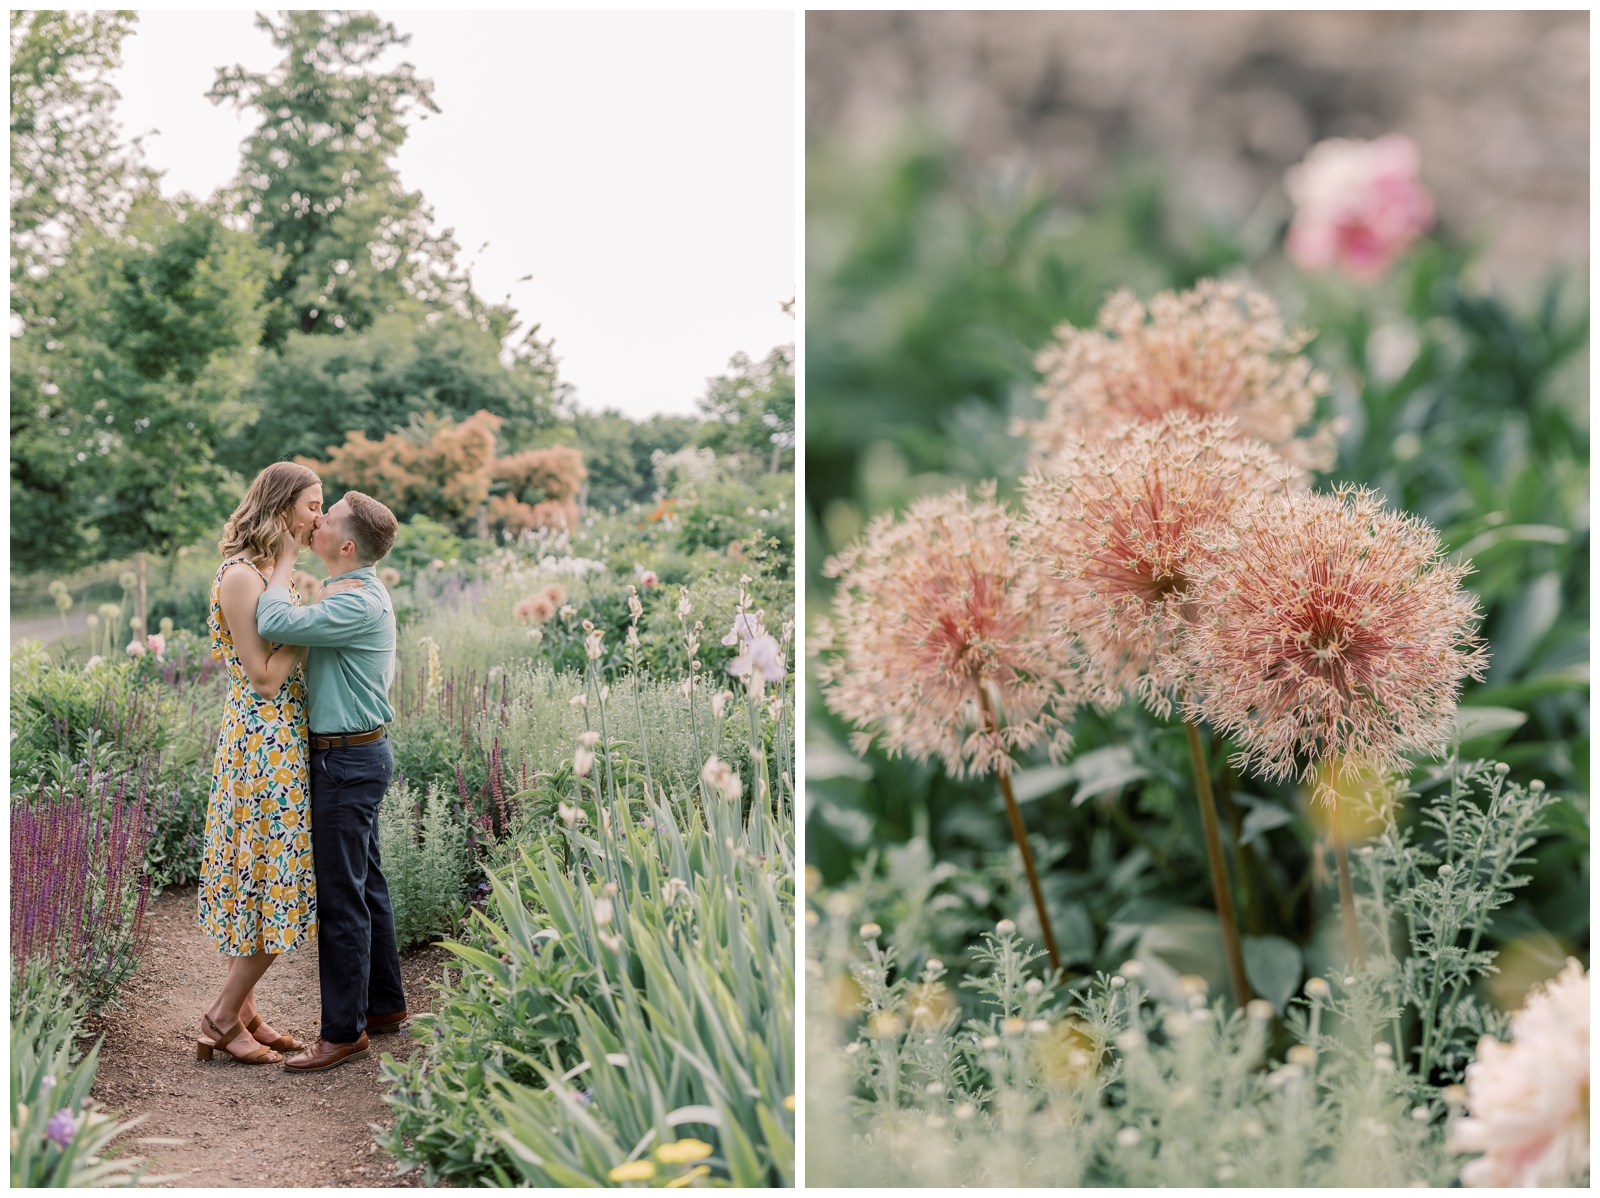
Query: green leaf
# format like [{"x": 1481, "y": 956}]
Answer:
[{"x": 1274, "y": 966}]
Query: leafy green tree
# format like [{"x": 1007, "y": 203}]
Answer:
[
  {"x": 316, "y": 389},
  {"x": 68, "y": 174},
  {"x": 617, "y": 451},
  {"x": 114, "y": 417},
  {"x": 319, "y": 183},
  {"x": 750, "y": 409}
]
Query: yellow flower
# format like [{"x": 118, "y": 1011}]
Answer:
[
  {"x": 633, "y": 1171},
  {"x": 679, "y": 1182},
  {"x": 681, "y": 1152},
  {"x": 788, "y": 1103}
]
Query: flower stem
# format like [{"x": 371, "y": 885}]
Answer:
[
  {"x": 1020, "y": 832},
  {"x": 1347, "y": 899},
  {"x": 1232, "y": 947}
]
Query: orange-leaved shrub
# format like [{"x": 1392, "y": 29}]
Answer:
[{"x": 447, "y": 470}]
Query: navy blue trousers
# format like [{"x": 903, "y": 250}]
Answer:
[{"x": 358, "y": 962}]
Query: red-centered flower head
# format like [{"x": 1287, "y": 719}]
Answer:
[
  {"x": 933, "y": 613},
  {"x": 1117, "y": 520},
  {"x": 1330, "y": 631},
  {"x": 1218, "y": 350}
]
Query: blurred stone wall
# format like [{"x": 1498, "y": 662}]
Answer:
[{"x": 1498, "y": 102}]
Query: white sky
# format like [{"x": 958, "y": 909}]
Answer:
[{"x": 639, "y": 165}]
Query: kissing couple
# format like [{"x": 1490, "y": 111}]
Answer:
[{"x": 302, "y": 763}]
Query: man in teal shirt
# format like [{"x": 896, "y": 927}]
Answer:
[{"x": 351, "y": 633}]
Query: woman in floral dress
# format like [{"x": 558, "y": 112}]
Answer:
[{"x": 258, "y": 895}]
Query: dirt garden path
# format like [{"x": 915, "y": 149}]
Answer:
[{"x": 244, "y": 1125}]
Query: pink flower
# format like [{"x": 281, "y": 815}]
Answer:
[
  {"x": 135, "y": 649},
  {"x": 938, "y": 616},
  {"x": 157, "y": 643},
  {"x": 1357, "y": 205},
  {"x": 1117, "y": 520},
  {"x": 1329, "y": 635},
  {"x": 1219, "y": 350},
  {"x": 1529, "y": 1100},
  {"x": 648, "y": 578}
]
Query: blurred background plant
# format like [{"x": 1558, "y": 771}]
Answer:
[{"x": 947, "y": 240}]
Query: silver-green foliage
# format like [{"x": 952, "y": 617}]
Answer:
[
  {"x": 423, "y": 848},
  {"x": 1107, "y": 1085}
]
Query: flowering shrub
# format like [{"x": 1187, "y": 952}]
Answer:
[{"x": 79, "y": 889}]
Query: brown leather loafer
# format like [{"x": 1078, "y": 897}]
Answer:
[
  {"x": 326, "y": 1055},
  {"x": 383, "y": 1025}
]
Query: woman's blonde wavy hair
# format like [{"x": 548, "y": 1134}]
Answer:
[{"x": 256, "y": 524}]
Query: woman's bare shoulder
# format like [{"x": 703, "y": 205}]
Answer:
[{"x": 241, "y": 579}]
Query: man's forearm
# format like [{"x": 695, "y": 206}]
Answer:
[{"x": 329, "y": 624}]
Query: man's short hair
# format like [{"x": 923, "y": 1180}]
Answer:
[{"x": 370, "y": 525}]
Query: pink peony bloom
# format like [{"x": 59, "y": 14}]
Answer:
[
  {"x": 135, "y": 649},
  {"x": 1357, "y": 205},
  {"x": 157, "y": 643},
  {"x": 648, "y": 579},
  {"x": 1528, "y": 1101}
]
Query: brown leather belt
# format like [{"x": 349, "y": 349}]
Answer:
[{"x": 342, "y": 740}]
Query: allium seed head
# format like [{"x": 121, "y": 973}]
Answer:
[
  {"x": 935, "y": 614},
  {"x": 1117, "y": 520},
  {"x": 1330, "y": 633},
  {"x": 1219, "y": 350}
]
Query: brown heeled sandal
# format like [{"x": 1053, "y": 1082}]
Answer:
[
  {"x": 204, "y": 1049},
  {"x": 284, "y": 1043}
]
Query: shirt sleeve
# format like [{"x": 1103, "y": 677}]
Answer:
[{"x": 332, "y": 623}]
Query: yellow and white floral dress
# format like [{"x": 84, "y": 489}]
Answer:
[{"x": 258, "y": 891}]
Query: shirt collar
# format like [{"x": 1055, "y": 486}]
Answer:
[{"x": 358, "y": 572}]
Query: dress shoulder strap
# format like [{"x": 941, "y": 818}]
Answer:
[{"x": 236, "y": 558}]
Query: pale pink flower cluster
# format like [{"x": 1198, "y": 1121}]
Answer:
[
  {"x": 1327, "y": 629},
  {"x": 935, "y": 614},
  {"x": 541, "y": 605},
  {"x": 1528, "y": 1101},
  {"x": 1117, "y": 519},
  {"x": 1357, "y": 205},
  {"x": 1169, "y": 548},
  {"x": 1220, "y": 350}
]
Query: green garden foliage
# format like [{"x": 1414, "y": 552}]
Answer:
[
  {"x": 627, "y": 984},
  {"x": 930, "y": 291},
  {"x": 59, "y": 1136},
  {"x": 317, "y": 389},
  {"x": 623, "y": 995},
  {"x": 1131, "y": 1077},
  {"x": 423, "y": 844},
  {"x": 751, "y": 409},
  {"x": 128, "y": 727},
  {"x": 617, "y": 452}
]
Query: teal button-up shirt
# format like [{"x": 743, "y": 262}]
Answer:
[{"x": 351, "y": 663}]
